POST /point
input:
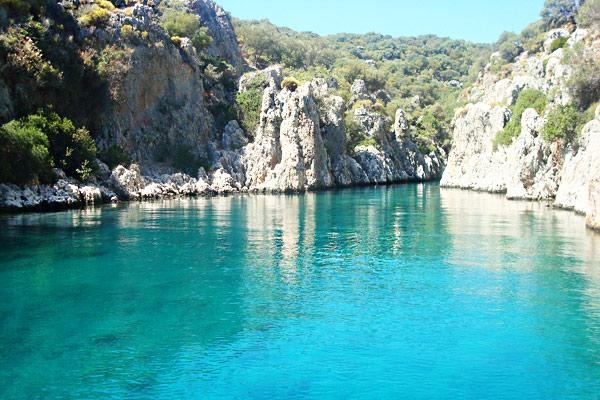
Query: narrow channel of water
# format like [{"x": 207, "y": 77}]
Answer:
[{"x": 407, "y": 291}]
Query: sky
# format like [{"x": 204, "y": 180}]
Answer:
[{"x": 475, "y": 20}]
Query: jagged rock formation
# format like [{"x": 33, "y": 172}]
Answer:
[
  {"x": 61, "y": 195},
  {"x": 218, "y": 22},
  {"x": 301, "y": 144},
  {"x": 529, "y": 168}
]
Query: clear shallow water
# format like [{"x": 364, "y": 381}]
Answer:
[{"x": 399, "y": 292}]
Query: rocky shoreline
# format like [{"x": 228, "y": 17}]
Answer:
[
  {"x": 127, "y": 184},
  {"x": 529, "y": 168}
]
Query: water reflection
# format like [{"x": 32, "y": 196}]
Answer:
[{"x": 234, "y": 295}]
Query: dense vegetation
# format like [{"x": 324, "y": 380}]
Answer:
[
  {"x": 31, "y": 146},
  {"x": 423, "y": 75}
]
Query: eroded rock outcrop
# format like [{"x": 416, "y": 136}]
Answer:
[{"x": 301, "y": 144}]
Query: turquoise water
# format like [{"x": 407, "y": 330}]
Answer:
[{"x": 408, "y": 291}]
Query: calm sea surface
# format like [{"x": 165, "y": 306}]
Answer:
[{"x": 408, "y": 291}]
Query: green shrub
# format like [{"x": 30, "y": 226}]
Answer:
[
  {"x": 290, "y": 83},
  {"x": 24, "y": 155},
  {"x": 201, "y": 39},
  {"x": 114, "y": 155},
  {"x": 367, "y": 141},
  {"x": 430, "y": 128},
  {"x": 128, "y": 32},
  {"x": 176, "y": 40},
  {"x": 179, "y": 23},
  {"x": 557, "y": 13},
  {"x": 21, "y": 7},
  {"x": 96, "y": 16},
  {"x": 564, "y": 123},
  {"x": 249, "y": 103},
  {"x": 71, "y": 148},
  {"x": 355, "y": 133},
  {"x": 558, "y": 43},
  {"x": 528, "y": 98},
  {"x": 105, "y": 4},
  {"x": 533, "y": 37},
  {"x": 509, "y": 46}
]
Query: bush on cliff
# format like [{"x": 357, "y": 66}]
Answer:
[
  {"x": 509, "y": 46},
  {"x": 249, "y": 103},
  {"x": 18, "y": 8},
  {"x": 177, "y": 21},
  {"x": 355, "y": 133},
  {"x": 290, "y": 83},
  {"x": 561, "y": 124},
  {"x": 114, "y": 156},
  {"x": 201, "y": 39},
  {"x": 24, "y": 154},
  {"x": 565, "y": 123},
  {"x": 95, "y": 16},
  {"x": 528, "y": 98}
]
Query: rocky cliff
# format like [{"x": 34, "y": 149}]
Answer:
[
  {"x": 167, "y": 104},
  {"x": 530, "y": 167},
  {"x": 161, "y": 94},
  {"x": 301, "y": 144}
]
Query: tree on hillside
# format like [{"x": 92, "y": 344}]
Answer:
[
  {"x": 509, "y": 46},
  {"x": 557, "y": 13}
]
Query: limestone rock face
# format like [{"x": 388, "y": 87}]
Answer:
[
  {"x": 220, "y": 28},
  {"x": 158, "y": 95},
  {"x": 580, "y": 169},
  {"x": 289, "y": 153},
  {"x": 528, "y": 168},
  {"x": 593, "y": 209},
  {"x": 127, "y": 183},
  {"x": 533, "y": 164},
  {"x": 401, "y": 125},
  {"x": 472, "y": 162},
  {"x": 233, "y": 136},
  {"x": 61, "y": 195},
  {"x": 158, "y": 103},
  {"x": 359, "y": 91}
]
